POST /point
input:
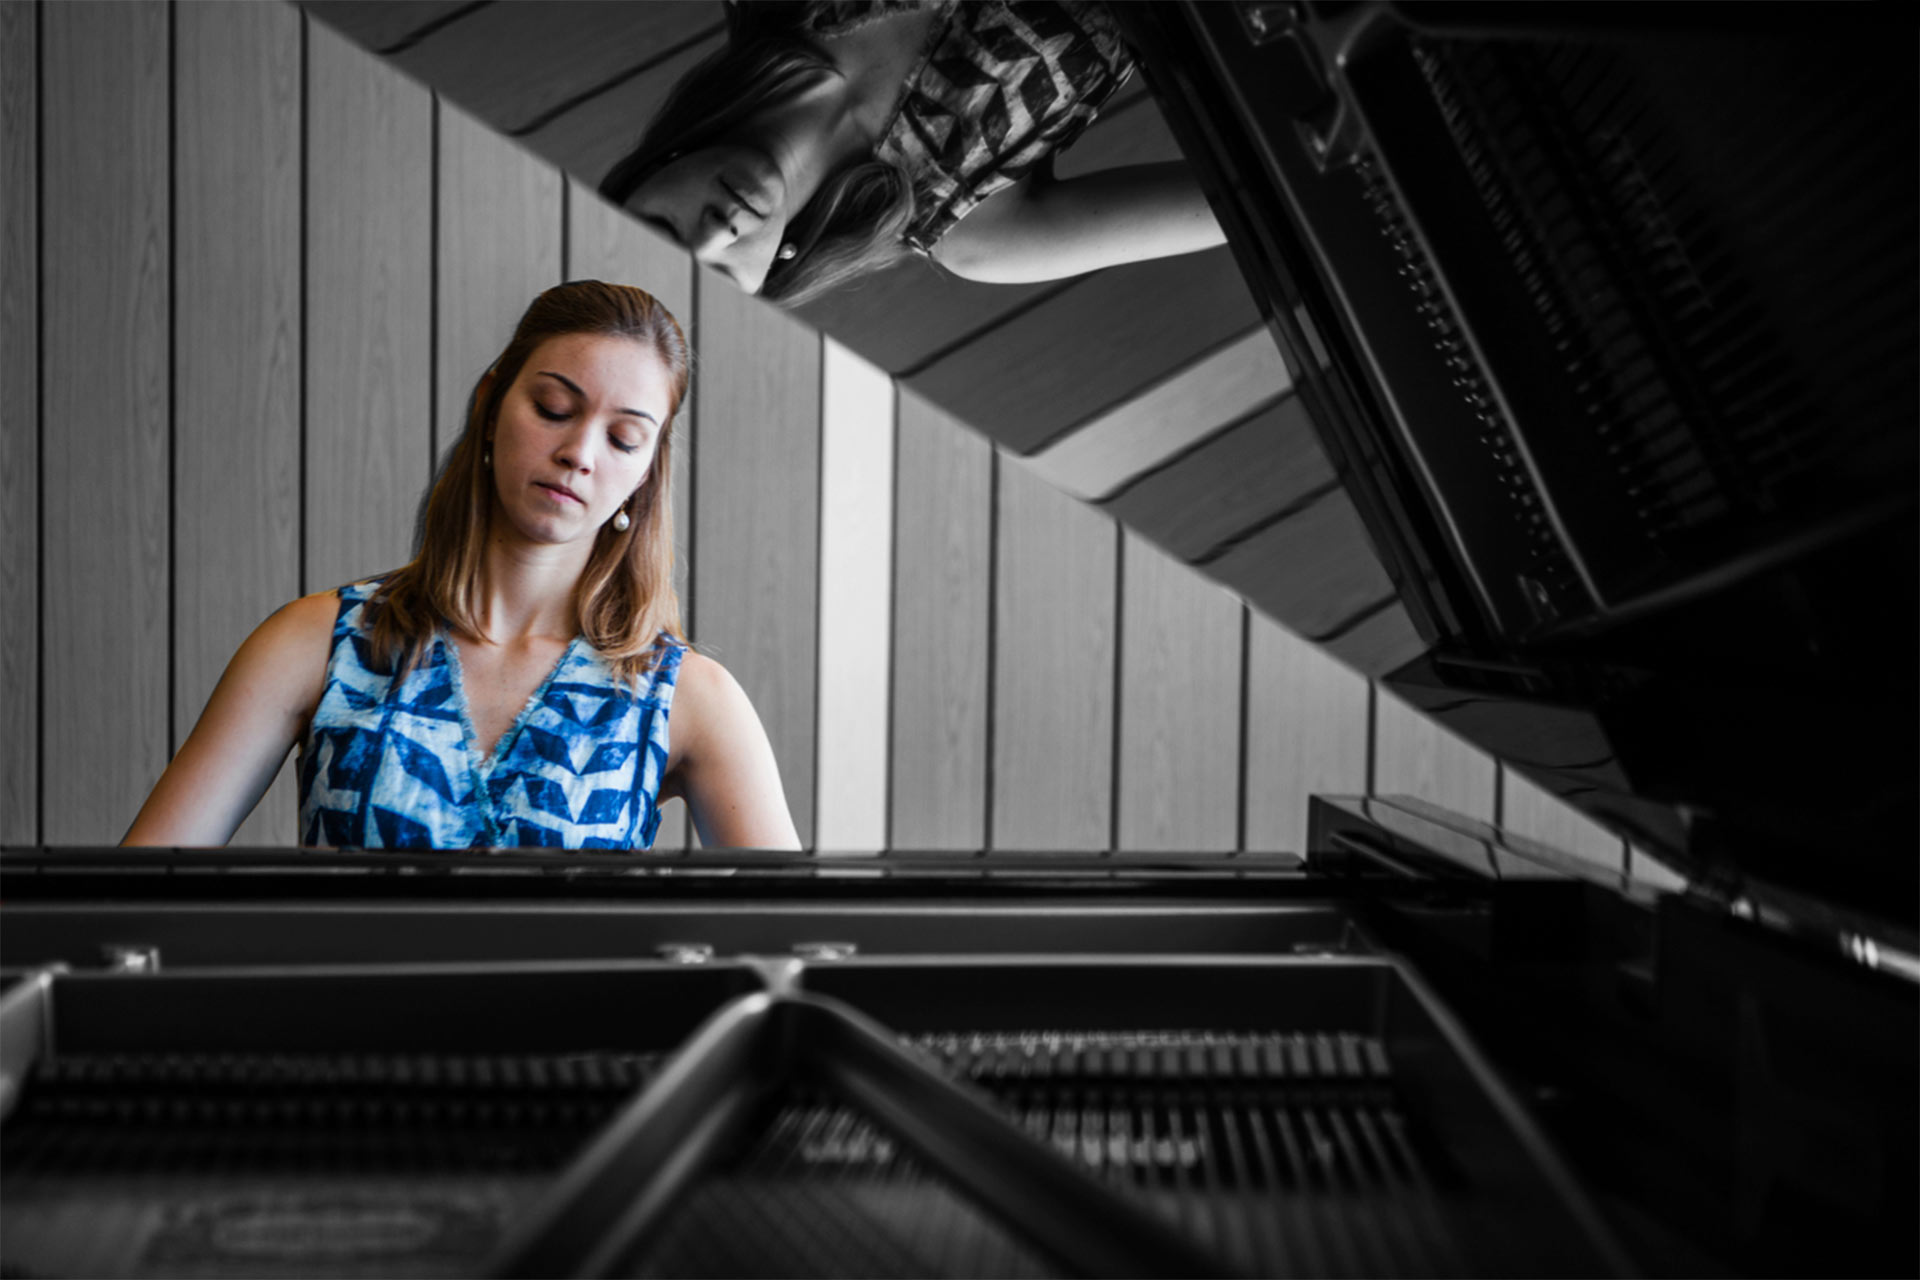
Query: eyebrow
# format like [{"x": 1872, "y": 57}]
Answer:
[{"x": 575, "y": 388}]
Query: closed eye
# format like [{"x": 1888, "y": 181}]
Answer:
[{"x": 549, "y": 414}]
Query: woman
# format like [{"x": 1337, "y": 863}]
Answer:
[
  {"x": 835, "y": 137},
  {"x": 513, "y": 684}
]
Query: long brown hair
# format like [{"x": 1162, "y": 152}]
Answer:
[
  {"x": 853, "y": 224},
  {"x": 625, "y": 599}
]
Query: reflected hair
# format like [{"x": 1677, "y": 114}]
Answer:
[
  {"x": 625, "y": 600},
  {"x": 853, "y": 224}
]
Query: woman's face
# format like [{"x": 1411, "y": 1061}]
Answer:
[
  {"x": 576, "y": 434},
  {"x": 726, "y": 203}
]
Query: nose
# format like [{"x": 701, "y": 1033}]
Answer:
[
  {"x": 716, "y": 229},
  {"x": 571, "y": 451}
]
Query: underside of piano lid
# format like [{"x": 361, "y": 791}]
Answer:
[{"x": 1607, "y": 320}]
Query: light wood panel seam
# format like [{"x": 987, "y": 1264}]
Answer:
[
  {"x": 1117, "y": 744},
  {"x": 1306, "y": 501},
  {"x": 1192, "y": 447},
  {"x": 811, "y": 839},
  {"x": 993, "y": 644},
  {"x": 1246, "y": 698},
  {"x": 436, "y": 122},
  {"x": 40, "y": 417},
  {"x": 413, "y": 38},
  {"x": 1011, "y": 314},
  {"x": 566, "y": 230},
  {"x": 585, "y": 96},
  {"x": 306, "y": 127},
  {"x": 173, "y": 378},
  {"x": 1054, "y": 438},
  {"x": 1373, "y": 733},
  {"x": 893, "y": 619}
]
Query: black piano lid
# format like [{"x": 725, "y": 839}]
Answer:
[{"x": 1606, "y": 317}]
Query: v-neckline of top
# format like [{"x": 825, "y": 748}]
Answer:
[{"x": 483, "y": 766}]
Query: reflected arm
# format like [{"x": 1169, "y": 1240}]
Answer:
[
  {"x": 1046, "y": 229},
  {"x": 721, "y": 763},
  {"x": 257, "y": 712}
]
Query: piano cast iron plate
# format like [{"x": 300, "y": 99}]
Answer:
[{"x": 957, "y": 1115}]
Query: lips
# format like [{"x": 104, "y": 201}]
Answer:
[{"x": 562, "y": 491}]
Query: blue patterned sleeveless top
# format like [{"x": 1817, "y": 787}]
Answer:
[{"x": 393, "y": 764}]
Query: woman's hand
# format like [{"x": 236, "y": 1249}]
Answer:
[
  {"x": 721, "y": 763},
  {"x": 1045, "y": 229},
  {"x": 257, "y": 712}
]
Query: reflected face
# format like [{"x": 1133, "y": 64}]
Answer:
[
  {"x": 576, "y": 434},
  {"x": 726, "y": 204}
]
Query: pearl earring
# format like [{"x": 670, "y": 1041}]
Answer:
[
  {"x": 620, "y": 521},
  {"x": 486, "y": 459},
  {"x": 787, "y": 252}
]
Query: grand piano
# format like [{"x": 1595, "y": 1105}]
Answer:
[{"x": 1607, "y": 328}]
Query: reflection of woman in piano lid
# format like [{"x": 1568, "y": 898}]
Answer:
[
  {"x": 511, "y": 685},
  {"x": 831, "y": 138}
]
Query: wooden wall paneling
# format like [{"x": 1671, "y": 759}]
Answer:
[
  {"x": 1413, "y": 756},
  {"x": 1197, "y": 502},
  {"x": 943, "y": 538},
  {"x": 1377, "y": 642},
  {"x": 1307, "y": 733},
  {"x": 1538, "y": 814},
  {"x": 1163, "y": 422},
  {"x": 377, "y": 25},
  {"x": 905, "y": 317},
  {"x": 756, "y": 517},
  {"x": 1129, "y": 130},
  {"x": 368, "y": 322},
  {"x": 587, "y": 139},
  {"x": 856, "y": 603},
  {"x": 20, "y": 430},
  {"x": 1180, "y": 706},
  {"x": 1097, "y": 344},
  {"x": 512, "y": 64},
  {"x": 1054, "y": 653},
  {"x": 105, "y": 282},
  {"x": 498, "y": 245},
  {"x": 1312, "y": 568},
  {"x": 236, "y": 371},
  {"x": 605, "y": 244}
]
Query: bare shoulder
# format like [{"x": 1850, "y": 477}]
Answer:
[
  {"x": 702, "y": 677},
  {"x": 711, "y": 711},
  {"x": 300, "y": 628},
  {"x": 285, "y": 659},
  {"x": 704, "y": 692}
]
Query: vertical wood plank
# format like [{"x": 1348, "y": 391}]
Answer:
[
  {"x": 605, "y": 244},
  {"x": 105, "y": 523},
  {"x": 1306, "y": 733},
  {"x": 1413, "y": 756},
  {"x": 756, "y": 514},
  {"x": 236, "y": 350},
  {"x": 1538, "y": 814},
  {"x": 856, "y": 604},
  {"x": 498, "y": 246},
  {"x": 1053, "y": 669},
  {"x": 1179, "y": 706},
  {"x": 368, "y": 321},
  {"x": 20, "y": 434},
  {"x": 942, "y": 574}
]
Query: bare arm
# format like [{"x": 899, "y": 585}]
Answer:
[
  {"x": 258, "y": 710},
  {"x": 1046, "y": 229},
  {"x": 721, "y": 762}
]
